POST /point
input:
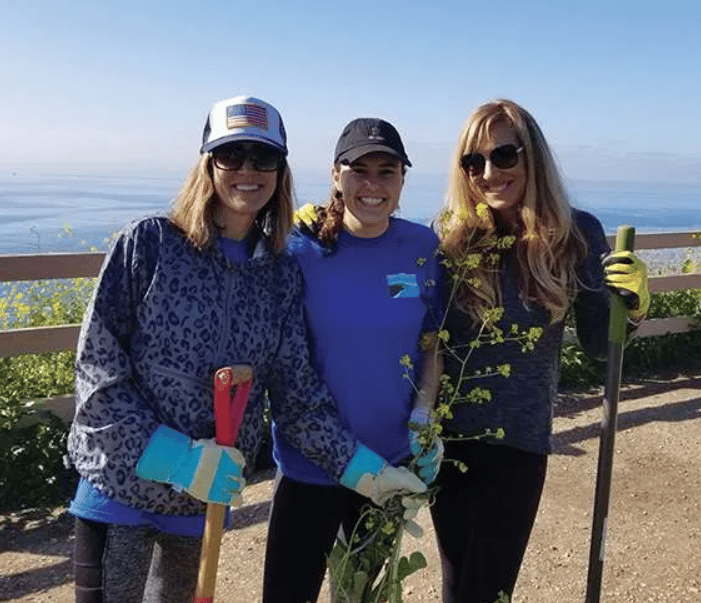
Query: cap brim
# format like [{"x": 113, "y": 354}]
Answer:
[
  {"x": 241, "y": 137},
  {"x": 356, "y": 153}
]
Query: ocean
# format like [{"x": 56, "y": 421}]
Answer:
[{"x": 68, "y": 212}]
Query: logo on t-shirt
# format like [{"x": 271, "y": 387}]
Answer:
[{"x": 402, "y": 285}]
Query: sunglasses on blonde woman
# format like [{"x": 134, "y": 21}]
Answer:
[
  {"x": 233, "y": 156},
  {"x": 503, "y": 157}
]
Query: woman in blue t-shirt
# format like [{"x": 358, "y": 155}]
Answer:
[
  {"x": 504, "y": 182},
  {"x": 371, "y": 297}
]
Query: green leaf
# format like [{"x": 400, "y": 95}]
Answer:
[
  {"x": 360, "y": 582},
  {"x": 411, "y": 564}
]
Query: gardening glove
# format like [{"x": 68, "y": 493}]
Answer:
[
  {"x": 305, "y": 215},
  {"x": 429, "y": 461},
  {"x": 626, "y": 274},
  {"x": 370, "y": 475},
  {"x": 204, "y": 469}
]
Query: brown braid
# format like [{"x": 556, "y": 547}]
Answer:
[{"x": 330, "y": 218}]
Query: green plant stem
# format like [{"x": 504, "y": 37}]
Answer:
[{"x": 395, "y": 585}]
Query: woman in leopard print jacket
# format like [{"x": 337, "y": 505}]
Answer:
[{"x": 176, "y": 299}]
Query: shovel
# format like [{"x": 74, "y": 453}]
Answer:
[
  {"x": 618, "y": 315},
  {"x": 228, "y": 413}
]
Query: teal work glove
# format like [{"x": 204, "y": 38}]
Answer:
[
  {"x": 429, "y": 460},
  {"x": 204, "y": 469},
  {"x": 626, "y": 274},
  {"x": 370, "y": 475}
]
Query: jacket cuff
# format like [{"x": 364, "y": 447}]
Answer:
[
  {"x": 162, "y": 455},
  {"x": 362, "y": 462}
]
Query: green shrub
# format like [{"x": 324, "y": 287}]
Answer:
[
  {"x": 578, "y": 369},
  {"x": 667, "y": 352},
  {"x": 32, "y": 470},
  {"x": 645, "y": 355}
]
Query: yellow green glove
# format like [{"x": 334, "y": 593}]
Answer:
[
  {"x": 305, "y": 215},
  {"x": 626, "y": 274}
]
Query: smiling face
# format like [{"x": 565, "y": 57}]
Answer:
[
  {"x": 371, "y": 187},
  {"x": 241, "y": 194},
  {"x": 501, "y": 189}
]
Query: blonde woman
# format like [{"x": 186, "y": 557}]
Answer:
[
  {"x": 504, "y": 181},
  {"x": 178, "y": 298}
]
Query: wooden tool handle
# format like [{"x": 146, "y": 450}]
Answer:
[
  {"x": 228, "y": 414},
  {"x": 209, "y": 556}
]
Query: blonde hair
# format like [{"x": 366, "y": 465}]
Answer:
[
  {"x": 193, "y": 209},
  {"x": 548, "y": 244}
]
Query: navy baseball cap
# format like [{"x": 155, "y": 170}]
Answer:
[{"x": 369, "y": 135}]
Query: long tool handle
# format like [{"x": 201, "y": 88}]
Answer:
[
  {"x": 228, "y": 413},
  {"x": 625, "y": 239}
]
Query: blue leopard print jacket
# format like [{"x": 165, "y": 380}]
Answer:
[{"x": 164, "y": 317}]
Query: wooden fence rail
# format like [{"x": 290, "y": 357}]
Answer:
[{"x": 16, "y": 268}]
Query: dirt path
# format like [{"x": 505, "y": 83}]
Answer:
[{"x": 653, "y": 551}]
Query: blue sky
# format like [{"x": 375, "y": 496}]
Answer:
[{"x": 110, "y": 86}]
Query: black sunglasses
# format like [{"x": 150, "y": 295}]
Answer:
[
  {"x": 503, "y": 157},
  {"x": 232, "y": 156}
]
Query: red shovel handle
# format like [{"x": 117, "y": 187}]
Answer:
[
  {"x": 228, "y": 410},
  {"x": 228, "y": 414}
]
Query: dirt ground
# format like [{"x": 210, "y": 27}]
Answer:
[{"x": 653, "y": 549}]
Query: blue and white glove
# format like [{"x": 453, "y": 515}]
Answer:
[
  {"x": 370, "y": 475},
  {"x": 429, "y": 460},
  {"x": 204, "y": 469}
]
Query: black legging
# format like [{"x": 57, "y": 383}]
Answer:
[
  {"x": 87, "y": 560},
  {"x": 304, "y": 522},
  {"x": 483, "y": 518},
  {"x": 133, "y": 564}
]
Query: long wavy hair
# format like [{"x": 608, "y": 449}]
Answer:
[
  {"x": 548, "y": 245},
  {"x": 193, "y": 209}
]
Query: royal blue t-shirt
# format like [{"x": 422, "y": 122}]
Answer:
[
  {"x": 367, "y": 302},
  {"x": 236, "y": 251}
]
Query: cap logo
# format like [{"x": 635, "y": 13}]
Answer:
[
  {"x": 375, "y": 133},
  {"x": 246, "y": 116}
]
